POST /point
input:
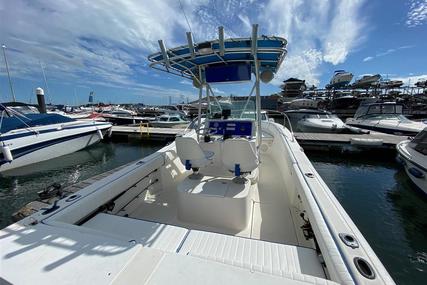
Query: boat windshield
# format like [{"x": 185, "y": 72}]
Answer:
[
  {"x": 321, "y": 116},
  {"x": 419, "y": 143},
  {"x": 397, "y": 117},
  {"x": 378, "y": 109},
  {"x": 240, "y": 108}
]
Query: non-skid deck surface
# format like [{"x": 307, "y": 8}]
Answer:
[
  {"x": 273, "y": 219},
  {"x": 271, "y": 258}
]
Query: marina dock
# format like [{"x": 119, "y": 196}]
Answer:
[
  {"x": 146, "y": 133},
  {"x": 309, "y": 141},
  {"x": 348, "y": 142}
]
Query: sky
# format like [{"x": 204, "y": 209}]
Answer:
[{"x": 102, "y": 45}]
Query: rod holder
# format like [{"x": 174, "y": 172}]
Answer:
[
  {"x": 221, "y": 40},
  {"x": 190, "y": 44},
  {"x": 164, "y": 53}
]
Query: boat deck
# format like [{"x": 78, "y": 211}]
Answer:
[{"x": 273, "y": 218}]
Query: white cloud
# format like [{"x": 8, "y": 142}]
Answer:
[
  {"x": 387, "y": 52},
  {"x": 217, "y": 91},
  {"x": 106, "y": 42},
  {"x": 303, "y": 66},
  {"x": 330, "y": 28},
  {"x": 417, "y": 13},
  {"x": 344, "y": 31}
]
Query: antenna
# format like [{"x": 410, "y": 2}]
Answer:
[
  {"x": 45, "y": 83},
  {"x": 8, "y": 74}
]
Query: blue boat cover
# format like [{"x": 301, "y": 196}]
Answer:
[
  {"x": 32, "y": 120},
  {"x": 270, "y": 54}
]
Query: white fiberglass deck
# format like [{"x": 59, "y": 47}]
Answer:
[
  {"x": 267, "y": 257},
  {"x": 272, "y": 242},
  {"x": 272, "y": 219}
]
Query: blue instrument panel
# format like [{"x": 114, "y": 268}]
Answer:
[{"x": 230, "y": 127}]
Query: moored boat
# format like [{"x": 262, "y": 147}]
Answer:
[
  {"x": 315, "y": 121},
  {"x": 170, "y": 121},
  {"x": 340, "y": 79},
  {"x": 413, "y": 155},
  {"x": 30, "y": 138},
  {"x": 386, "y": 117},
  {"x": 124, "y": 117},
  {"x": 366, "y": 81}
]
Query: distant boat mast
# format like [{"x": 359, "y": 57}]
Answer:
[
  {"x": 8, "y": 74},
  {"x": 45, "y": 83}
]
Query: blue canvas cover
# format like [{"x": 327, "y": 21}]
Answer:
[{"x": 32, "y": 120}]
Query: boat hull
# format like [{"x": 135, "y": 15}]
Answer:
[
  {"x": 341, "y": 80},
  {"x": 126, "y": 120},
  {"x": 319, "y": 127},
  {"x": 415, "y": 171},
  {"x": 168, "y": 124},
  {"x": 33, "y": 148},
  {"x": 395, "y": 129}
]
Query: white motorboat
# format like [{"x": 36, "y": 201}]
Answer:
[
  {"x": 413, "y": 154},
  {"x": 301, "y": 103},
  {"x": 385, "y": 117},
  {"x": 366, "y": 81},
  {"x": 30, "y": 138},
  {"x": 125, "y": 117},
  {"x": 235, "y": 201},
  {"x": 340, "y": 79},
  {"x": 421, "y": 84},
  {"x": 170, "y": 121},
  {"x": 390, "y": 84},
  {"x": 315, "y": 121}
]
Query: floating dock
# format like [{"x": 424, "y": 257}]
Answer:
[
  {"x": 348, "y": 142},
  {"x": 147, "y": 133}
]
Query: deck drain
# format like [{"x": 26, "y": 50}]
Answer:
[{"x": 309, "y": 175}]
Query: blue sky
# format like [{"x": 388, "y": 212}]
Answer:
[{"x": 102, "y": 45}]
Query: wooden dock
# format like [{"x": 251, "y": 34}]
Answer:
[
  {"x": 348, "y": 142},
  {"x": 147, "y": 133}
]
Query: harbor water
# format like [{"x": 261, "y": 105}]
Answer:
[
  {"x": 376, "y": 193},
  {"x": 386, "y": 207}
]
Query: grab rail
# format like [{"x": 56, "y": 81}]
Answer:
[{"x": 290, "y": 126}]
